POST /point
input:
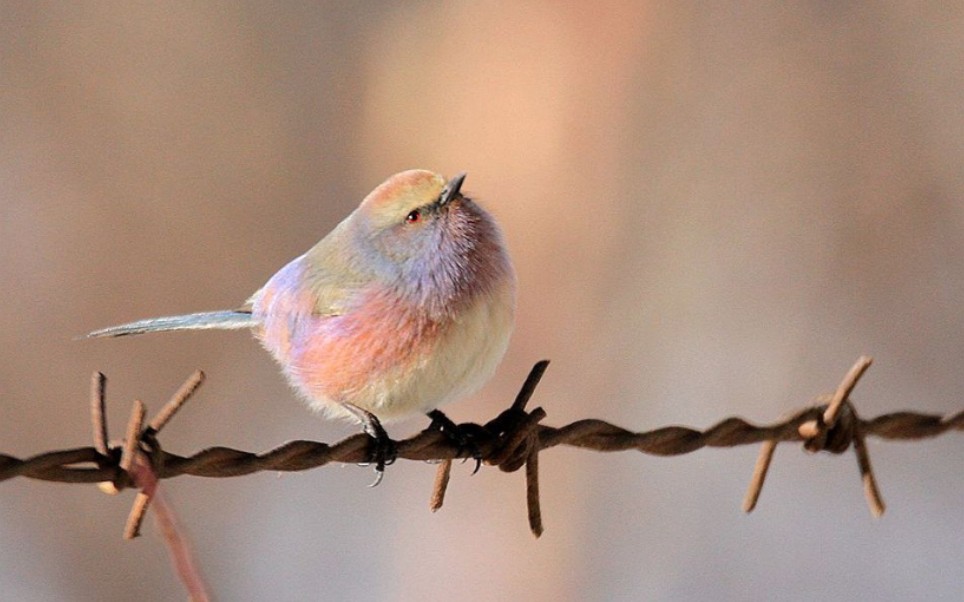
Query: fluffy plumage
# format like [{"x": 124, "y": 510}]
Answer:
[{"x": 406, "y": 305}]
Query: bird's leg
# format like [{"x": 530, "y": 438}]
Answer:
[
  {"x": 385, "y": 451},
  {"x": 463, "y": 436}
]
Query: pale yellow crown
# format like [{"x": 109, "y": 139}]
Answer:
[{"x": 397, "y": 196}]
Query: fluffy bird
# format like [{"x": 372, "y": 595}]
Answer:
[{"x": 406, "y": 305}]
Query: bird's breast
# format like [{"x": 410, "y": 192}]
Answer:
[{"x": 386, "y": 354}]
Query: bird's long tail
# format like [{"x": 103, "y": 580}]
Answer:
[{"x": 214, "y": 320}]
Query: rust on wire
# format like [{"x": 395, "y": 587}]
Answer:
[{"x": 510, "y": 441}]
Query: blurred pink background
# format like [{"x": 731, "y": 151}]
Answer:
[{"x": 713, "y": 211}]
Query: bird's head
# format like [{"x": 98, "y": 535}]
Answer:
[
  {"x": 416, "y": 214},
  {"x": 431, "y": 238}
]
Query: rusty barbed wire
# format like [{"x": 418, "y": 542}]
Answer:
[{"x": 510, "y": 441}]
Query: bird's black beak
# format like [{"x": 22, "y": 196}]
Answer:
[{"x": 452, "y": 190}]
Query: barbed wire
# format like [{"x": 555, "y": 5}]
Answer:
[{"x": 510, "y": 441}]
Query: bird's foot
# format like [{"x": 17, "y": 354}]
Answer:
[
  {"x": 384, "y": 450},
  {"x": 464, "y": 436}
]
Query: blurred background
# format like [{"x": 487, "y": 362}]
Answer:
[{"x": 713, "y": 210}]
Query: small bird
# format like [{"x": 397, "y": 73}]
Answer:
[{"x": 406, "y": 305}]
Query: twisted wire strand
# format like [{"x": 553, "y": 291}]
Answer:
[
  {"x": 510, "y": 441},
  {"x": 66, "y": 466}
]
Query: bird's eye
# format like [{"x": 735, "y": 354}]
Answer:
[{"x": 413, "y": 216}]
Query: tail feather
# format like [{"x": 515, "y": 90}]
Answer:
[{"x": 216, "y": 320}]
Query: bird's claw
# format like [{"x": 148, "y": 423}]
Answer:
[
  {"x": 384, "y": 450},
  {"x": 463, "y": 436}
]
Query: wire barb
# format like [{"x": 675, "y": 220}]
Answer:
[
  {"x": 760, "y": 470},
  {"x": 133, "y": 436},
  {"x": 846, "y": 387},
  {"x": 442, "y": 475},
  {"x": 834, "y": 430},
  {"x": 177, "y": 400},
  {"x": 98, "y": 404}
]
